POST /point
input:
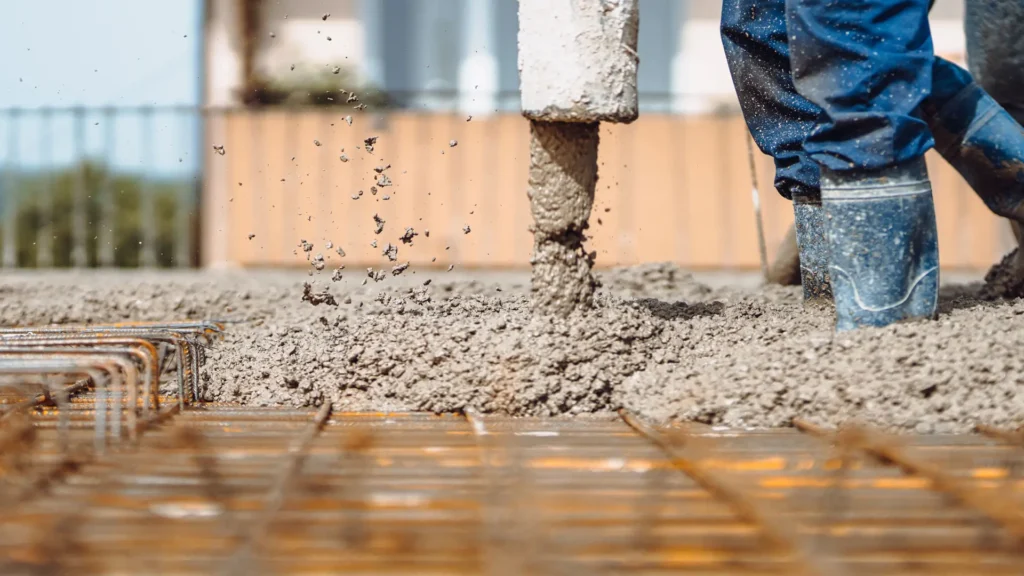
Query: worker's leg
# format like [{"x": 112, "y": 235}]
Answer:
[
  {"x": 868, "y": 65},
  {"x": 984, "y": 143},
  {"x": 995, "y": 57},
  {"x": 995, "y": 50},
  {"x": 979, "y": 138},
  {"x": 756, "y": 47}
]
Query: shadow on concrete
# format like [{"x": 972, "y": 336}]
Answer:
[
  {"x": 680, "y": 310},
  {"x": 954, "y": 297}
]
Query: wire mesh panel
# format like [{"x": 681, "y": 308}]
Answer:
[{"x": 193, "y": 488}]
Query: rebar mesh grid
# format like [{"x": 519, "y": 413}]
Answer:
[{"x": 209, "y": 488}]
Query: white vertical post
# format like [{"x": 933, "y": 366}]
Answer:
[
  {"x": 478, "y": 67},
  {"x": 427, "y": 61},
  {"x": 679, "y": 63},
  {"x": 44, "y": 237},
  {"x": 215, "y": 221},
  {"x": 372, "y": 15},
  {"x": 224, "y": 66},
  {"x": 147, "y": 201},
  {"x": 185, "y": 203},
  {"x": 79, "y": 217},
  {"x": 105, "y": 235},
  {"x": 225, "y": 73},
  {"x": 11, "y": 191}
]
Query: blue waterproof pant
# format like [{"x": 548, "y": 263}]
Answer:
[
  {"x": 868, "y": 82},
  {"x": 832, "y": 83},
  {"x": 879, "y": 98}
]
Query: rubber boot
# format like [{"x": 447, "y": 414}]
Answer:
[
  {"x": 812, "y": 242},
  {"x": 882, "y": 245}
]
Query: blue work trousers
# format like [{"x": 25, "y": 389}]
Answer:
[{"x": 841, "y": 83}]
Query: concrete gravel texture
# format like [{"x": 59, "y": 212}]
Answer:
[{"x": 657, "y": 342}]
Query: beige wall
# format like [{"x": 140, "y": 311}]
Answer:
[{"x": 677, "y": 188}]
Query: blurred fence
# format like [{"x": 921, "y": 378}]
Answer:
[
  {"x": 87, "y": 187},
  {"x": 671, "y": 188},
  {"x": 145, "y": 187}
]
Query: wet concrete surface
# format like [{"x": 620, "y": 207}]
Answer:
[{"x": 718, "y": 349}]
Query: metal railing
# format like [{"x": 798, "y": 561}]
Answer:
[
  {"x": 126, "y": 187},
  {"x": 87, "y": 187},
  {"x": 98, "y": 186}
]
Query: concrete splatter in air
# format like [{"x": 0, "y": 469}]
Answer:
[
  {"x": 317, "y": 298},
  {"x": 407, "y": 237}
]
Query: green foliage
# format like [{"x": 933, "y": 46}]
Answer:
[
  {"x": 323, "y": 88},
  {"x": 110, "y": 200}
]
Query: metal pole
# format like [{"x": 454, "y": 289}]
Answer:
[
  {"x": 44, "y": 236},
  {"x": 80, "y": 216},
  {"x": 183, "y": 205},
  {"x": 105, "y": 227},
  {"x": 756, "y": 195},
  {"x": 147, "y": 214},
  {"x": 478, "y": 74},
  {"x": 11, "y": 195},
  {"x": 197, "y": 145}
]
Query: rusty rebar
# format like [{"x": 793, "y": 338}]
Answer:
[
  {"x": 777, "y": 530},
  {"x": 1011, "y": 437},
  {"x": 101, "y": 370},
  {"x": 46, "y": 396},
  {"x": 510, "y": 541},
  {"x": 421, "y": 500},
  {"x": 184, "y": 336},
  {"x": 144, "y": 350},
  {"x": 240, "y": 561},
  {"x": 353, "y": 455},
  {"x": 888, "y": 449},
  {"x": 71, "y": 462},
  {"x": 98, "y": 356}
]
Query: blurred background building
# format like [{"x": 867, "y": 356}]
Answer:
[{"x": 112, "y": 112}]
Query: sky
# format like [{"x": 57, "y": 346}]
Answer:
[{"x": 94, "y": 53}]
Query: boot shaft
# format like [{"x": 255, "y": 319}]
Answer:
[{"x": 883, "y": 245}]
